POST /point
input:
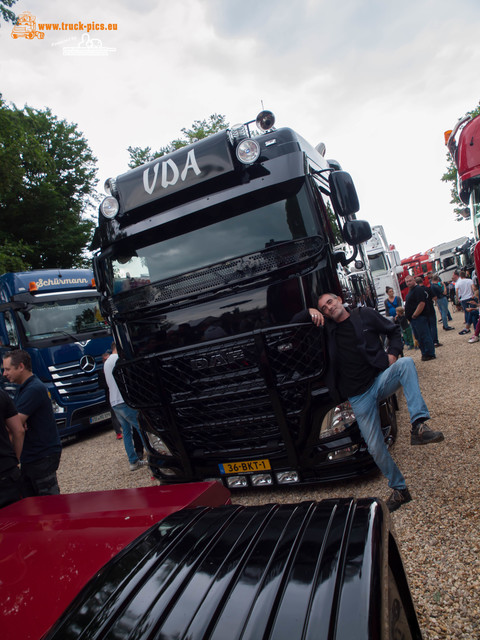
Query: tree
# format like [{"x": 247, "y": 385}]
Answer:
[
  {"x": 451, "y": 176},
  {"x": 199, "y": 129},
  {"x": 47, "y": 184},
  {"x": 5, "y": 12}
]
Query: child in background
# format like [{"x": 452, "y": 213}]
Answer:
[{"x": 404, "y": 324}]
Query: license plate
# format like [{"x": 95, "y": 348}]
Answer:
[
  {"x": 249, "y": 466},
  {"x": 101, "y": 417}
]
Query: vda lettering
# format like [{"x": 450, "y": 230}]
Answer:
[{"x": 170, "y": 173}]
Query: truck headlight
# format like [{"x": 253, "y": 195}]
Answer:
[
  {"x": 55, "y": 406},
  {"x": 110, "y": 207},
  {"x": 157, "y": 444},
  {"x": 337, "y": 420}
]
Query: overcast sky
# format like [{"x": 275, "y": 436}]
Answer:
[{"x": 377, "y": 81}]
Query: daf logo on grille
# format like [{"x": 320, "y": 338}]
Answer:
[
  {"x": 213, "y": 360},
  {"x": 87, "y": 364}
]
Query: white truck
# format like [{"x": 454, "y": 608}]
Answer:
[
  {"x": 385, "y": 265},
  {"x": 448, "y": 256}
]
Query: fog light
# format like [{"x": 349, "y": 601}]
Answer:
[
  {"x": 157, "y": 444},
  {"x": 287, "y": 477},
  {"x": 248, "y": 151},
  {"x": 109, "y": 207},
  {"x": 339, "y": 454},
  {"x": 166, "y": 471},
  {"x": 236, "y": 482},
  {"x": 261, "y": 479}
]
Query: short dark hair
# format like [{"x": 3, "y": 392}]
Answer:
[{"x": 18, "y": 356}]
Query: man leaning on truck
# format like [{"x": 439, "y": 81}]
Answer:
[
  {"x": 361, "y": 370},
  {"x": 41, "y": 451}
]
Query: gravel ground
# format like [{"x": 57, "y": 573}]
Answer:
[{"x": 438, "y": 532}]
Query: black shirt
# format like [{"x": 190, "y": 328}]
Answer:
[
  {"x": 414, "y": 297},
  {"x": 8, "y": 459},
  {"x": 41, "y": 437},
  {"x": 436, "y": 290},
  {"x": 354, "y": 374}
]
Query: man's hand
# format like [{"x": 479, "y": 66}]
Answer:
[
  {"x": 391, "y": 359},
  {"x": 317, "y": 317}
]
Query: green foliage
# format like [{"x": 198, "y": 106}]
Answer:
[
  {"x": 451, "y": 176},
  {"x": 13, "y": 256},
  {"x": 199, "y": 129},
  {"x": 5, "y": 12},
  {"x": 47, "y": 182}
]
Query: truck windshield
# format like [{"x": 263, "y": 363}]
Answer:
[
  {"x": 377, "y": 262},
  {"x": 73, "y": 316},
  {"x": 244, "y": 232}
]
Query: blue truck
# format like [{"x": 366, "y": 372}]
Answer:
[{"x": 55, "y": 316}]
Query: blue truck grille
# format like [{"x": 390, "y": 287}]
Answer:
[
  {"x": 74, "y": 384},
  {"x": 227, "y": 395}
]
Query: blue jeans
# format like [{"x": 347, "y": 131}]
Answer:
[
  {"x": 128, "y": 420},
  {"x": 423, "y": 334},
  {"x": 443, "y": 308},
  {"x": 468, "y": 314},
  {"x": 432, "y": 323},
  {"x": 365, "y": 406}
]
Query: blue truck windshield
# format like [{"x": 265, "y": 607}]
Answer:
[
  {"x": 244, "y": 233},
  {"x": 73, "y": 316}
]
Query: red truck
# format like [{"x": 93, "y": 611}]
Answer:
[
  {"x": 463, "y": 143},
  {"x": 180, "y": 561},
  {"x": 417, "y": 265}
]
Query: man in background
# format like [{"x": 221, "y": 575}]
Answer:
[
  {"x": 42, "y": 448},
  {"x": 417, "y": 314},
  {"x": 12, "y": 435},
  {"x": 125, "y": 414}
]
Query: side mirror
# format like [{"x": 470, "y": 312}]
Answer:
[
  {"x": 398, "y": 270},
  {"x": 356, "y": 231},
  {"x": 343, "y": 193}
]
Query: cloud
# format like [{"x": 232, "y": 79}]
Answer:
[{"x": 378, "y": 82}]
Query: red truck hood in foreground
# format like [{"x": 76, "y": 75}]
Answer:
[{"x": 51, "y": 546}]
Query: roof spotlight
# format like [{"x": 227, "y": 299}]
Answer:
[
  {"x": 248, "y": 151},
  {"x": 265, "y": 120}
]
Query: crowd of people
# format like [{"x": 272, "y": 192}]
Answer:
[{"x": 418, "y": 320}]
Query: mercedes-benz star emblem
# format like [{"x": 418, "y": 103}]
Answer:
[{"x": 87, "y": 364}]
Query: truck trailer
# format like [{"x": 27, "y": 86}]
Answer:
[{"x": 205, "y": 258}]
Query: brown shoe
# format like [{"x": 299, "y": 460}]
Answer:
[
  {"x": 422, "y": 434},
  {"x": 397, "y": 498}
]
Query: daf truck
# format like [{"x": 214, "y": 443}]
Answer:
[{"x": 205, "y": 257}]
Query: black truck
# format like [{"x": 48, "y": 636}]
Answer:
[{"x": 205, "y": 257}]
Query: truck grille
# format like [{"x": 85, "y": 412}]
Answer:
[
  {"x": 73, "y": 383},
  {"x": 227, "y": 395}
]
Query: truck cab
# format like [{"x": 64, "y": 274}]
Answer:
[
  {"x": 207, "y": 259},
  {"x": 384, "y": 261},
  {"x": 55, "y": 316}
]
